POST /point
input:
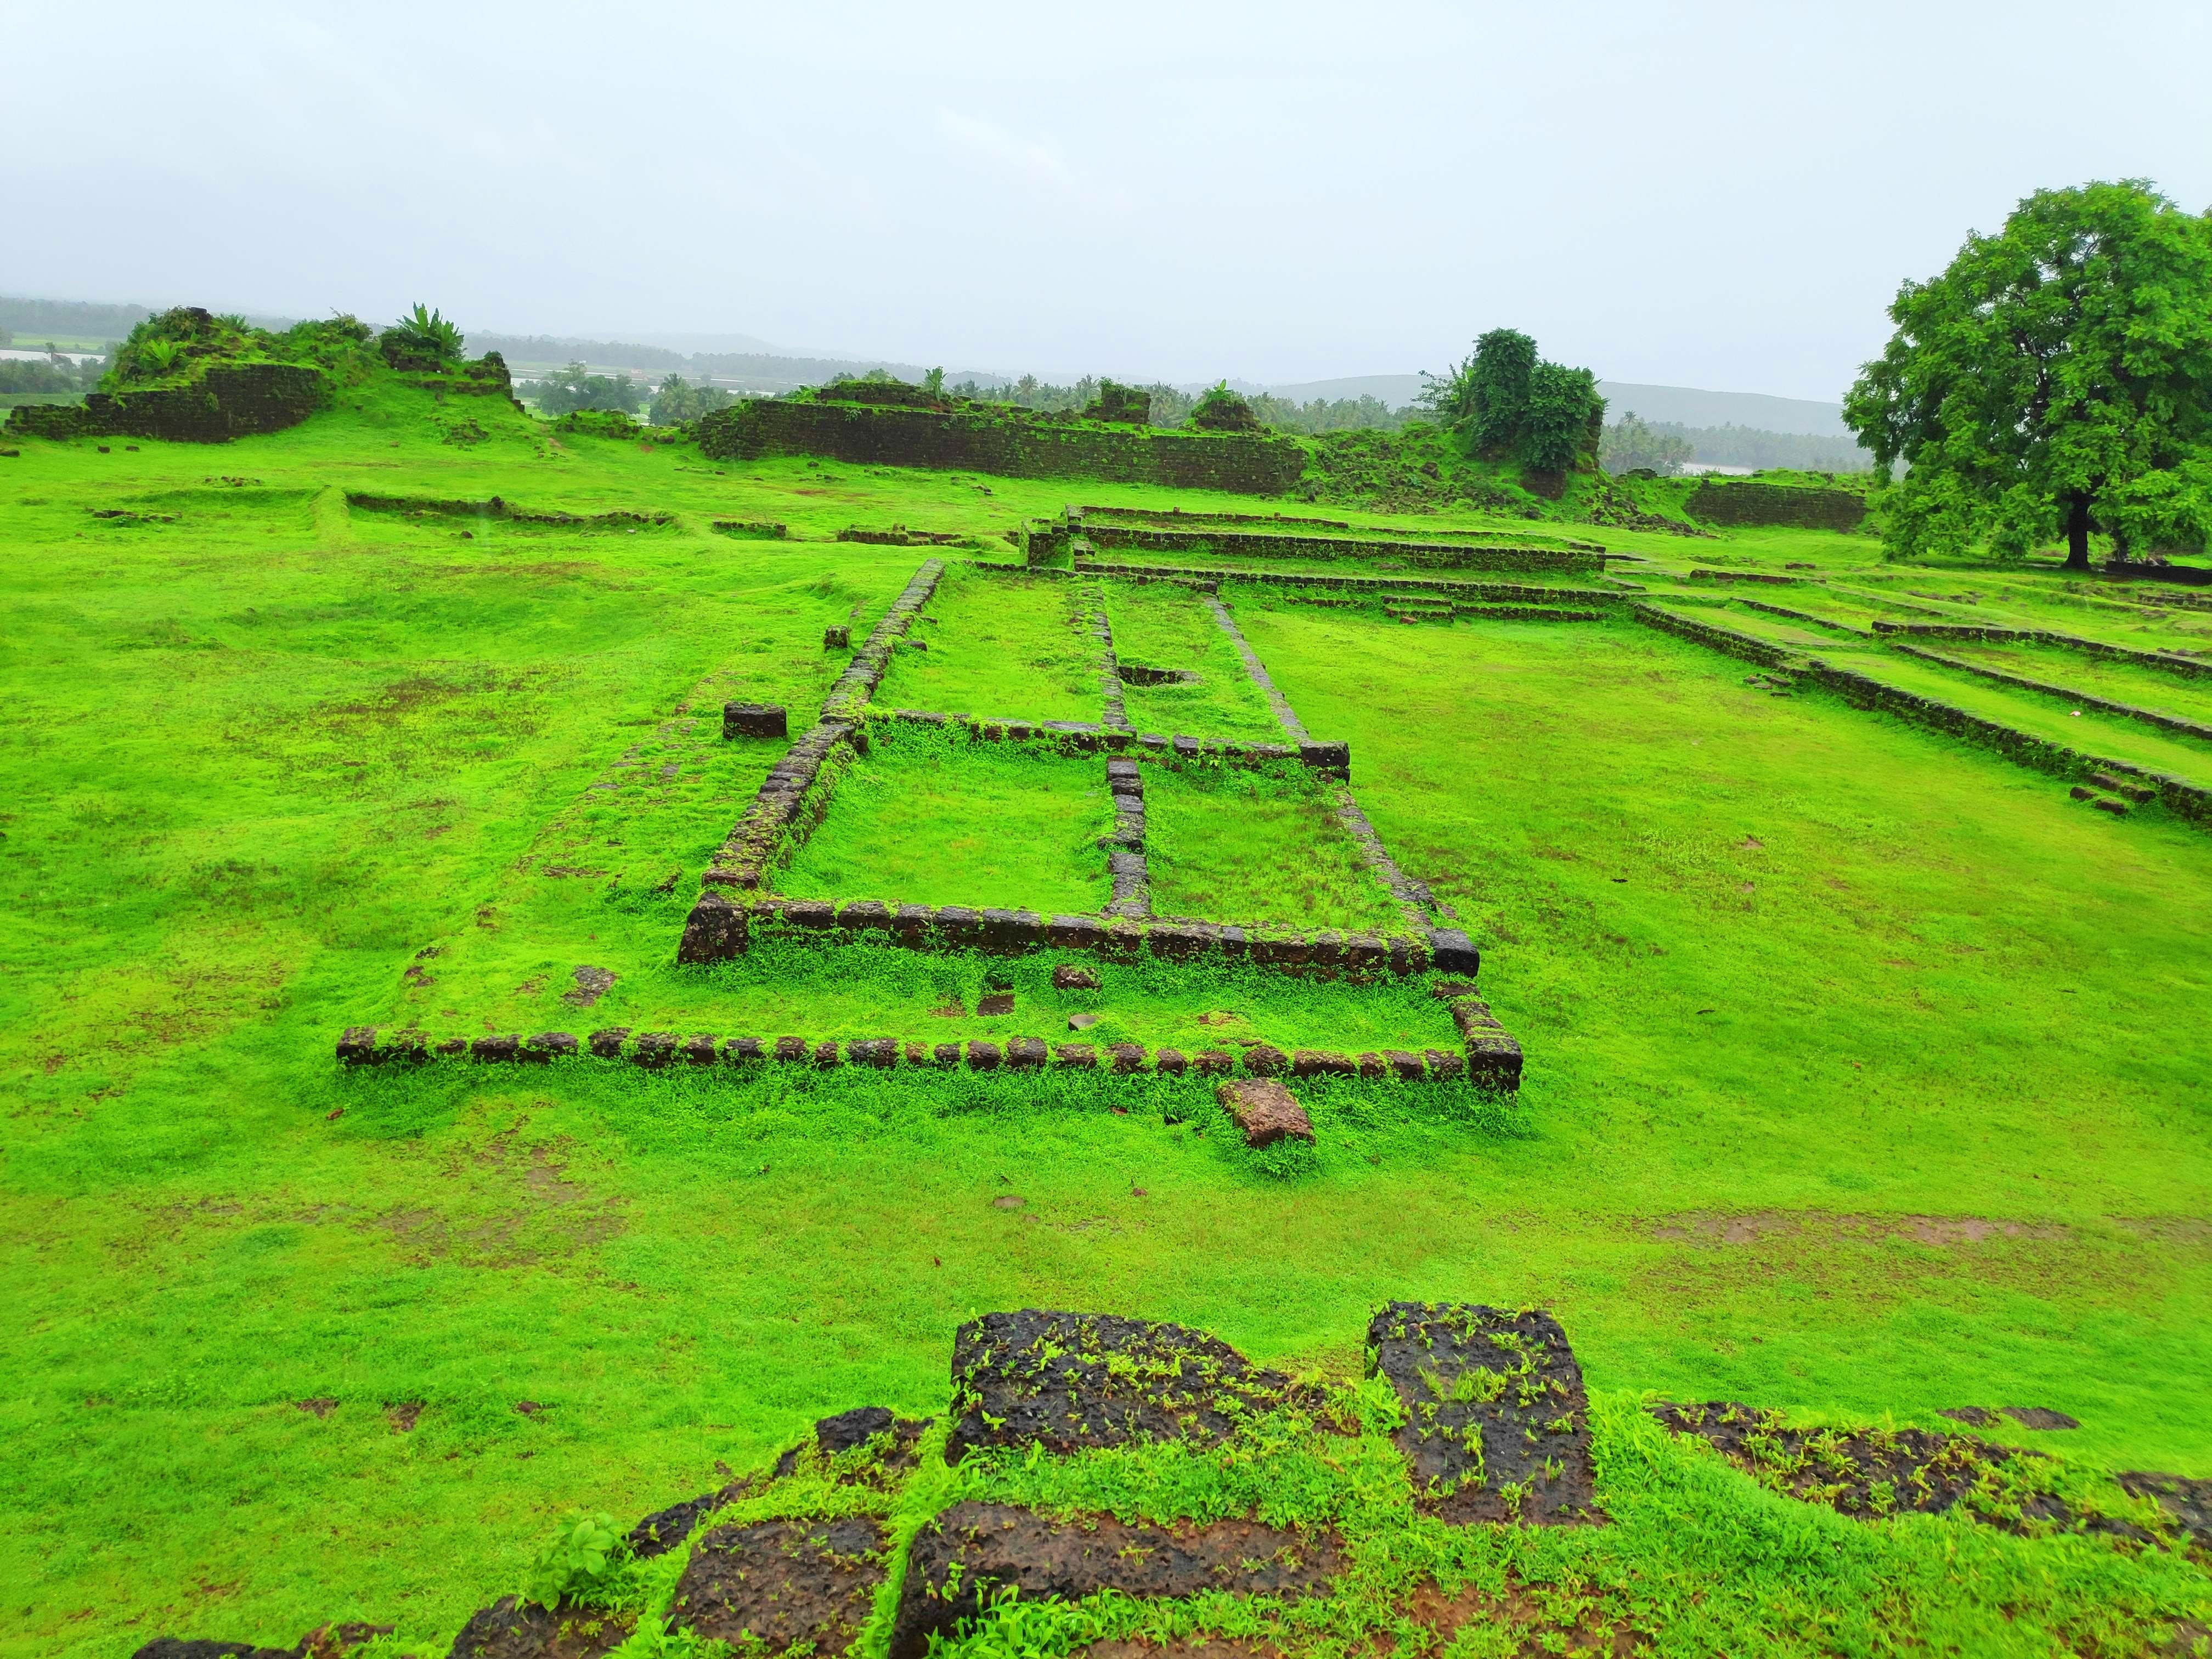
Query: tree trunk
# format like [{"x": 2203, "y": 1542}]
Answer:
[{"x": 2077, "y": 534}]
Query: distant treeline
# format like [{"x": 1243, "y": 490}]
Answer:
[
  {"x": 1666, "y": 447},
  {"x": 22, "y": 375},
  {"x": 1744, "y": 445},
  {"x": 1171, "y": 406}
]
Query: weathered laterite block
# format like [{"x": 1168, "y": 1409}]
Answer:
[
  {"x": 754, "y": 719},
  {"x": 1498, "y": 1422}
]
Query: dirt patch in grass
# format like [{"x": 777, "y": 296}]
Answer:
[
  {"x": 1552, "y": 1619},
  {"x": 1713, "y": 1230}
]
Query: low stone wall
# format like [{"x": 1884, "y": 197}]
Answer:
[
  {"x": 1797, "y": 505},
  {"x": 227, "y": 400},
  {"x": 1749, "y": 646},
  {"x": 360, "y": 500},
  {"x": 2183, "y": 799},
  {"x": 1492, "y": 1060},
  {"x": 2172, "y": 663},
  {"x": 2080, "y": 699},
  {"x": 1012, "y": 444},
  {"x": 1518, "y": 592},
  {"x": 723, "y": 924},
  {"x": 1271, "y": 544},
  {"x": 1074, "y": 737}
]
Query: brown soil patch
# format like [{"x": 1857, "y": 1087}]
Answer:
[
  {"x": 1713, "y": 1230},
  {"x": 1552, "y": 1621}
]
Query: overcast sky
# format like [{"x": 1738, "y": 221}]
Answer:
[{"x": 1716, "y": 195}]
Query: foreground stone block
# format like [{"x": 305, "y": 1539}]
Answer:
[
  {"x": 1497, "y": 1421},
  {"x": 754, "y": 719},
  {"x": 783, "y": 1583},
  {"x": 512, "y": 1629},
  {"x": 973, "y": 1553},
  {"x": 1265, "y": 1110},
  {"x": 1069, "y": 1381}
]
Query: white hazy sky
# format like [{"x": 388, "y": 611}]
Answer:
[{"x": 1711, "y": 195}]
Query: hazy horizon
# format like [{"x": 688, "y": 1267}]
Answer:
[{"x": 1675, "y": 195}]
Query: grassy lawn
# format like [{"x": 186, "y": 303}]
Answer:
[
  {"x": 1862, "y": 1079},
  {"x": 1257, "y": 847},
  {"x": 1013, "y": 647},
  {"x": 928, "y": 818}
]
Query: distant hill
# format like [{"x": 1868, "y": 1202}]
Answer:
[{"x": 1681, "y": 405}]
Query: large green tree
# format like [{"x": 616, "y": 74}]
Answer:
[{"x": 2058, "y": 376}]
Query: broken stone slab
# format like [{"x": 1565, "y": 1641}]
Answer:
[
  {"x": 2188, "y": 1501},
  {"x": 974, "y": 1552},
  {"x": 774, "y": 1585},
  {"x": 1066, "y": 978},
  {"x": 754, "y": 719},
  {"x": 333, "y": 1641},
  {"x": 1320, "y": 1062},
  {"x": 850, "y": 1430},
  {"x": 1865, "y": 1473},
  {"x": 664, "y": 1529},
  {"x": 548, "y": 1045},
  {"x": 591, "y": 984},
  {"x": 1069, "y": 1381},
  {"x": 1450, "y": 952},
  {"x": 494, "y": 1048},
  {"x": 1265, "y": 1110},
  {"x": 509, "y": 1629},
  {"x": 1505, "y": 1383}
]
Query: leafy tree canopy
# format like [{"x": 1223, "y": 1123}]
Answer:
[
  {"x": 2056, "y": 376},
  {"x": 1507, "y": 403}
]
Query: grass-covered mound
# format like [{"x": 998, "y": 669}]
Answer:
[{"x": 187, "y": 375}]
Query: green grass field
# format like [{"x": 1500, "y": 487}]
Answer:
[{"x": 1864, "y": 1073}]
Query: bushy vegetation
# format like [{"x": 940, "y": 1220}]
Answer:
[
  {"x": 1507, "y": 403},
  {"x": 423, "y": 339}
]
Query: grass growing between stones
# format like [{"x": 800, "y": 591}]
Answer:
[
  {"x": 1160, "y": 625},
  {"x": 1235, "y": 844},
  {"x": 1013, "y": 646},
  {"x": 932, "y": 817},
  {"x": 1860, "y": 1082}
]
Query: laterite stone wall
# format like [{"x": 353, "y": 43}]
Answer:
[
  {"x": 1777, "y": 504},
  {"x": 1012, "y": 446}
]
